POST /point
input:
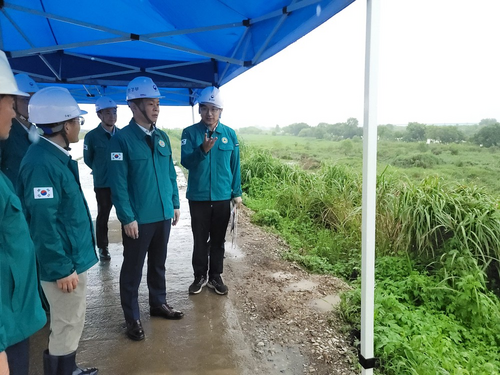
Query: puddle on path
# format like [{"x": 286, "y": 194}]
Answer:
[
  {"x": 301, "y": 286},
  {"x": 325, "y": 304}
]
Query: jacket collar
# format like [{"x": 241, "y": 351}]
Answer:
[
  {"x": 137, "y": 129},
  {"x": 18, "y": 127},
  {"x": 54, "y": 150},
  {"x": 104, "y": 131},
  {"x": 218, "y": 129}
]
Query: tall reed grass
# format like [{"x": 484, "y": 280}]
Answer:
[
  {"x": 437, "y": 260},
  {"x": 422, "y": 220}
]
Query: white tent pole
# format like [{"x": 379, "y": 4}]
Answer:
[
  {"x": 192, "y": 112},
  {"x": 369, "y": 186}
]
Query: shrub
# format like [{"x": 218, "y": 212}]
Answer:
[
  {"x": 425, "y": 326},
  {"x": 266, "y": 217},
  {"x": 436, "y": 150},
  {"x": 418, "y": 160},
  {"x": 422, "y": 147}
]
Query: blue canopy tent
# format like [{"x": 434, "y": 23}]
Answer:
[{"x": 96, "y": 47}]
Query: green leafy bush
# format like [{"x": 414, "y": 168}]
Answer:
[
  {"x": 425, "y": 326},
  {"x": 418, "y": 160},
  {"x": 267, "y": 217}
]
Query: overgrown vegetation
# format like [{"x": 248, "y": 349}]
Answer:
[
  {"x": 437, "y": 243},
  {"x": 175, "y": 143},
  {"x": 464, "y": 163}
]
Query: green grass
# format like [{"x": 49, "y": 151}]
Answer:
[
  {"x": 175, "y": 143},
  {"x": 437, "y": 242},
  {"x": 461, "y": 163}
]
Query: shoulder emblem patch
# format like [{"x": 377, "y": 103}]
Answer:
[{"x": 183, "y": 142}]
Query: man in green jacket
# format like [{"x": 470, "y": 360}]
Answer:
[
  {"x": 210, "y": 151},
  {"x": 23, "y": 132},
  {"x": 96, "y": 156},
  {"x": 21, "y": 313},
  {"x": 60, "y": 224},
  {"x": 144, "y": 191}
]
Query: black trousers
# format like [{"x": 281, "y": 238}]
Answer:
[
  {"x": 153, "y": 239},
  {"x": 104, "y": 205},
  {"x": 18, "y": 358},
  {"x": 209, "y": 221}
]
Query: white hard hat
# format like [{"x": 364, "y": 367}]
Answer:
[
  {"x": 26, "y": 83},
  {"x": 8, "y": 85},
  {"x": 53, "y": 104},
  {"x": 211, "y": 95},
  {"x": 142, "y": 87},
  {"x": 104, "y": 102}
]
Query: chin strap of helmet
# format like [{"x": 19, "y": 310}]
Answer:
[
  {"x": 143, "y": 111},
  {"x": 18, "y": 114},
  {"x": 65, "y": 137},
  {"x": 22, "y": 117}
]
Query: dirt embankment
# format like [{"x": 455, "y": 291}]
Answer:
[{"x": 285, "y": 312}]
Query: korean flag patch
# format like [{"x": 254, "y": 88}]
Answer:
[
  {"x": 43, "y": 192},
  {"x": 183, "y": 142},
  {"x": 116, "y": 156},
  {"x": 85, "y": 147}
]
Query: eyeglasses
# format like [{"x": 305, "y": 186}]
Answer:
[
  {"x": 80, "y": 120},
  {"x": 213, "y": 110}
]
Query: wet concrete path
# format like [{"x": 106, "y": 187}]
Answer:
[{"x": 208, "y": 340}]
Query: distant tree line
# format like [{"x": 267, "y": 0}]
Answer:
[
  {"x": 338, "y": 131},
  {"x": 486, "y": 133}
]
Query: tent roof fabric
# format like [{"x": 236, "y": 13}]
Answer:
[{"x": 96, "y": 47}]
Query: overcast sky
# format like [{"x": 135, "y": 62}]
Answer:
[{"x": 439, "y": 62}]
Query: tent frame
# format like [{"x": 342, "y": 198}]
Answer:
[
  {"x": 369, "y": 207},
  {"x": 150, "y": 38}
]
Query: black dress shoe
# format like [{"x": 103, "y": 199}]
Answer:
[
  {"x": 135, "y": 331},
  {"x": 165, "y": 311},
  {"x": 104, "y": 254},
  {"x": 85, "y": 371}
]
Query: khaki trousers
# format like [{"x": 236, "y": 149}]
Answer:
[{"x": 67, "y": 316}]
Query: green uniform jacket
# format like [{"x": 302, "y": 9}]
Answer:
[
  {"x": 96, "y": 154},
  {"x": 56, "y": 211},
  {"x": 143, "y": 181},
  {"x": 13, "y": 150},
  {"x": 214, "y": 176},
  {"x": 21, "y": 312}
]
